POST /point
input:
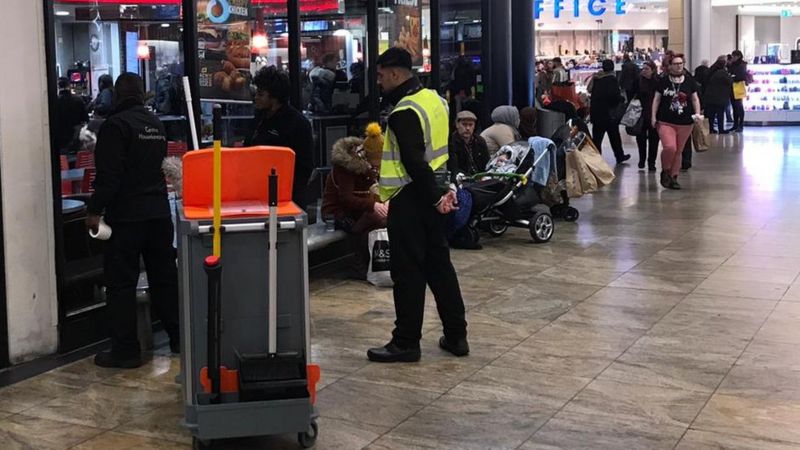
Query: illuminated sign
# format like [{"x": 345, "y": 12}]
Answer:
[{"x": 593, "y": 7}]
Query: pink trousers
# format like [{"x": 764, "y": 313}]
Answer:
[{"x": 673, "y": 139}]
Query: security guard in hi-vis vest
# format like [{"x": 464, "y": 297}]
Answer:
[{"x": 414, "y": 180}]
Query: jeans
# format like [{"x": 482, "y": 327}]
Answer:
[
  {"x": 648, "y": 138},
  {"x": 673, "y": 139},
  {"x": 716, "y": 114},
  {"x": 738, "y": 114},
  {"x": 599, "y": 130}
]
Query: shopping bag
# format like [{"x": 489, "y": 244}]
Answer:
[
  {"x": 638, "y": 129},
  {"x": 379, "y": 262},
  {"x": 739, "y": 90},
  {"x": 700, "y": 136},
  {"x": 602, "y": 172},
  {"x": 616, "y": 113},
  {"x": 580, "y": 180},
  {"x": 632, "y": 114}
]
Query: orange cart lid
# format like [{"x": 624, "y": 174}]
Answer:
[{"x": 245, "y": 182}]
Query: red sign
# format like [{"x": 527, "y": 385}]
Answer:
[{"x": 307, "y": 6}]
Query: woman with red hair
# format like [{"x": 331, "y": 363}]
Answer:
[{"x": 676, "y": 106}]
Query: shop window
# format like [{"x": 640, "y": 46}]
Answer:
[{"x": 461, "y": 32}]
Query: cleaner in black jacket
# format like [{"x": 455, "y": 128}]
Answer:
[{"x": 131, "y": 194}]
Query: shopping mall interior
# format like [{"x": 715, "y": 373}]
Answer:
[{"x": 640, "y": 291}]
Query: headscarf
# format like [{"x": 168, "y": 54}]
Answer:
[
  {"x": 527, "y": 122},
  {"x": 508, "y": 115}
]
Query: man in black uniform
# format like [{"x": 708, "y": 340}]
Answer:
[
  {"x": 70, "y": 115},
  {"x": 131, "y": 193},
  {"x": 279, "y": 124},
  {"x": 420, "y": 255}
]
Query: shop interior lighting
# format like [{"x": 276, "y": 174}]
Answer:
[
  {"x": 164, "y": 25},
  {"x": 143, "y": 51},
  {"x": 62, "y": 13},
  {"x": 341, "y": 33},
  {"x": 260, "y": 41}
]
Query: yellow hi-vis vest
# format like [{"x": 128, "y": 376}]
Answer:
[{"x": 434, "y": 117}]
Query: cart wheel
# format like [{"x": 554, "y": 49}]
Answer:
[
  {"x": 200, "y": 444},
  {"x": 571, "y": 214},
  {"x": 307, "y": 439},
  {"x": 542, "y": 227},
  {"x": 497, "y": 228}
]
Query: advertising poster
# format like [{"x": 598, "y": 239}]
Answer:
[
  {"x": 408, "y": 28},
  {"x": 223, "y": 32}
]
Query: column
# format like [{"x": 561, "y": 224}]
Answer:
[
  {"x": 496, "y": 52},
  {"x": 27, "y": 188},
  {"x": 676, "y": 26},
  {"x": 522, "y": 53},
  {"x": 700, "y": 37}
]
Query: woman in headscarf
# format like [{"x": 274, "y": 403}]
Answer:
[
  {"x": 505, "y": 128},
  {"x": 527, "y": 123}
]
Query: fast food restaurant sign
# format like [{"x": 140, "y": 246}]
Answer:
[
  {"x": 223, "y": 32},
  {"x": 579, "y": 8}
]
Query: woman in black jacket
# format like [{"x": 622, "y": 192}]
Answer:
[
  {"x": 606, "y": 95},
  {"x": 645, "y": 91},
  {"x": 718, "y": 90},
  {"x": 738, "y": 70}
]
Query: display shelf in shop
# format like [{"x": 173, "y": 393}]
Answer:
[{"x": 774, "y": 94}]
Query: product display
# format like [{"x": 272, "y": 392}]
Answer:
[{"x": 774, "y": 94}]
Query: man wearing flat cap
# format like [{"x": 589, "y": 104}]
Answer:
[
  {"x": 414, "y": 179},
  {"x": 468, "y": 151}
]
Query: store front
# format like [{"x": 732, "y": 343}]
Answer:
[
  {"x": 582, "y": 37},
  {"x": 769, "y": 37},
  {"x": 90, "y": 41}
]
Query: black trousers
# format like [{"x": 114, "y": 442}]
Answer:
[
  {"x": 151, "y": 241},
  {"x": 716, "y": 115},
  {"x": 686, "y": 156},
  {"x": 738, "y": 114},
  {"x": 600, "y": 129},
  {"x": 420, "y": 257},
  {"x": 648, "y": 138}
]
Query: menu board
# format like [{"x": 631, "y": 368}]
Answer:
[
  {"x": 223, "y": 32},
  {"x": 408, "y": 28}
]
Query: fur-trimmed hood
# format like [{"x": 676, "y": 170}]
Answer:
[{"x": 344, "y": 155}]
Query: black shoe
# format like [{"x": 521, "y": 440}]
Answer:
[
  {"x": 740, "y": 130},
  {"x": 641, "y": 165},
  {"x": 651, "y": 169},
  {"x": 391, "y": 353},
  {"x": 107, "y": 359},
  {"x": 623, "y": 159},
  {"x": 713, "y": 132},
  {"x": 666, "y": 180},
  {"x": 724, "y": 132},
  {"x": 460, "y": 348},
  {"x": 675, "y": 186}
]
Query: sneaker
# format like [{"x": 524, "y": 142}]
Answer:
[
  {"x": 674, "y": 185},
  {"x": 109, "y": 360},
  {"x": 666, "y": 180}
]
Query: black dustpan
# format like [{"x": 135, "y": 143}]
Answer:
[{"x": 272, "y": 375}]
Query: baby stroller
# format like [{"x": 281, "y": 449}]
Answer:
[{"x": 505, "y": 198}]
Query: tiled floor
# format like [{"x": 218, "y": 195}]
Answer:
[{"x": 659, "y": 320}]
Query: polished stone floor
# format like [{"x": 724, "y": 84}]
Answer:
[{"x": 661, "y": 319}]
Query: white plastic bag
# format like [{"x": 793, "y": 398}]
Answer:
[
  {"x": 632, "y": 114},
  {"x": 379, "y": 261}
]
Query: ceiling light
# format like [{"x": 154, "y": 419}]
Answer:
[
  {"x": 62, "y": 13},
  {"x": 164, "y": 25}
]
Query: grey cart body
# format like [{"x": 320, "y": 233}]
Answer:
[{"x": 244, "y": 312}]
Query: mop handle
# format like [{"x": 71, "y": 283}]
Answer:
[
  {"x": 213, "y": 268},
  {"x": 217, "y": 168},
  {"x": 187, "y": 93},
  {"x": 273, "y": 262}
]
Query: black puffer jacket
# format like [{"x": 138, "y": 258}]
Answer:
[
  {"x": 606, "y": 96},
  {"x": 718, "y": 88},
  {"x": 130, "y": 186}
]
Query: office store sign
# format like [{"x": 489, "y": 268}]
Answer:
[{"x": 580, "y": 8}]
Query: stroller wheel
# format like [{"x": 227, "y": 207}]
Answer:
[
  {"x": 497, "y": 228},
  {"x": 558, "y": 211},
  {"x": 571, "y": 214},
  {"x": 542, "y": 227}
]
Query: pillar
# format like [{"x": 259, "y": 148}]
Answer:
[
  {"x": 496, "y": 52},
  {"x": 27, "y": 188},
  {"x": 677, "y": 17},
  {"x": 522, "y": 53},
  {"x": 700, "y": 37}
]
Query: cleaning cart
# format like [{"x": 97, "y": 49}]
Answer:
[{"x": 243, "y": 269}]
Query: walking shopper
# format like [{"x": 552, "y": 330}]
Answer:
[
  {"x": 676, "y": 105},
  {"x": 414, "y": 154},
  {"x": 647, "y": 141},
  {"x": 628, "y": 76},
  {"x": 605, "y": 98},
  {"x": 131, "y": 193},
  {"x": 738, "y": 70},
  {"x": 717, "y": 94}
]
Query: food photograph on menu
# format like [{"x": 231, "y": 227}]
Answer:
[
  {"x": 408, "y": 28},
  {"x": 223, "y": 32}
]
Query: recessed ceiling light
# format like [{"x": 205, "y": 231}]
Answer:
[
  {"x": 164, "y": 25},
  {"x": 62, "y": 13}
]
